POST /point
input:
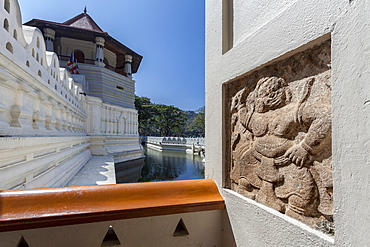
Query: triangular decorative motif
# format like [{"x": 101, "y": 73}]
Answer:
[
  {"x": 22, "y": 243},
  {"x": 110, "y": 238},
  {"x": 180, "y": 229}
]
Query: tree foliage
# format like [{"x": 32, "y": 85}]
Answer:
[{"x": 168, "y": 120}]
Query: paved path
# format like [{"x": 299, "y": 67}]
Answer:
[{"x": 98, "y": 170}]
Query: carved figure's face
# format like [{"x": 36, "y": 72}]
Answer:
[{"x": 270, "y": 95}]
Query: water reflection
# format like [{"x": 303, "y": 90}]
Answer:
[
  {"x": 171, "y": 165},
  {"x": 129, "y": 171},
  {"x": 161, "y": 166}
]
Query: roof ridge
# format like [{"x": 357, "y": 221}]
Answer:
[{"x": 78, "y": 19}]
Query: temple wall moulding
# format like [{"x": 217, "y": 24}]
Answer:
[{"x": 278, "y": 135}]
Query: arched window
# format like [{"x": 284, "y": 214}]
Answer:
[
  {"x": 7, "y": 5},
  {"x": 6, "y": 24},
  {"x": 15, "y": 34},
  {"x": 33, "y": 52},
  {"x": 106, "y": 62},
  {"x": 27, "y": 63},
  {"x": 9, "y": 47},
  {"x": 79, "y": 56},
  {"x": 38, "y": 42},
  {"x": 39, "y": 73}
]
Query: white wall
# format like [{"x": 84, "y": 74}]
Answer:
[
  {"x": 204, "y": 229},
  {"x": 43, "y": 116},
  {"x": 267, "y": 30}
]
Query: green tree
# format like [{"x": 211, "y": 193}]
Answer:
[
  {"x": 157, "y": 119},
  {"x": 199, "y": 122},
  {"x": 145, "y": 110},
  {"x": 188, "y": 129},
  {"x": 169, "y": 120}
]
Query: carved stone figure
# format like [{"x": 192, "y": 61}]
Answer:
[{"x": 280, "y": 145}]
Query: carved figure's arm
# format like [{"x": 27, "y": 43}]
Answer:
[{"x": 317, "y": 118}]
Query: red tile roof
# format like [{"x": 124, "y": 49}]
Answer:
[{"x": 83, "y": 21}]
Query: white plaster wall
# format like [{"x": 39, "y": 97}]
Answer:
[
  {"x": 292, "y": 26},
  {"x": 256, "y": 13},
  {"x": 36, "y": 162},
  {"x": 111, "y": 57},
  {"x": 351, "y": 126}
]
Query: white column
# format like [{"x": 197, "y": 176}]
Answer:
[
  {"x": 128, "y": 69},
  {"x": 110, "y": 112},
  {"x": 131, "y": 123},
  {"x": 99, "y": 60},
  {"x": 49, "y": 39}
]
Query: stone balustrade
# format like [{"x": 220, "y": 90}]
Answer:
[
  {"x": 174, "y": 140},
  {"x": 43, "y": 140},
  {"x": 188, "y": 145},
  {"x": 37, "y": 96},
  {"x": 49, "y": 128},
  {"x": 111, "y": 120}
]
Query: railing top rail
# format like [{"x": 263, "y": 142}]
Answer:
[
  {"x": 38, "y": 208},
  {"x": 179, "y": 140}
]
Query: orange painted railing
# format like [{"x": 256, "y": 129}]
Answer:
[{"x": 37, "y": 208}]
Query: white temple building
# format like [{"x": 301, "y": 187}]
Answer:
[{"x": 52, "y": 123}]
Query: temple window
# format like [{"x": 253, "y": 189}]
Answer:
[
  {"x": 7, "y": 5},
  {"x": 9, "y": 47},
  {"x": 79, "y": 56},
  {"x": 6, "y": 24}
]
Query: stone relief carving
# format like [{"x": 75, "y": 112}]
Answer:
[{"x": 281, "y": 137}]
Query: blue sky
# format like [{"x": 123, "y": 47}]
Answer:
[{"x": 169, "y": 34}]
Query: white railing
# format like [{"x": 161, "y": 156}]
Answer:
[
  {"x": 174, "y": 140},
  {"x": 37, "y": 97},
  {"x": 110, "y": 120}
]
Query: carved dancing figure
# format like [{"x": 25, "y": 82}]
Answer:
[{"x": 274, "y": 142}]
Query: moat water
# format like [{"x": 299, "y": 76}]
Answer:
[{"x": 167, "y": 166}]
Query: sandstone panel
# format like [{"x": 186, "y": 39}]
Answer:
[{"x": 278, "y": 135}]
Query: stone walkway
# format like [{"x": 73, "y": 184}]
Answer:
[{"x": 99, "y": 170}]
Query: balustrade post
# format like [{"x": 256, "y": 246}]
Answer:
[
  {"x": 128, "y": 69},
  {"x": 99, "y": 60}
]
